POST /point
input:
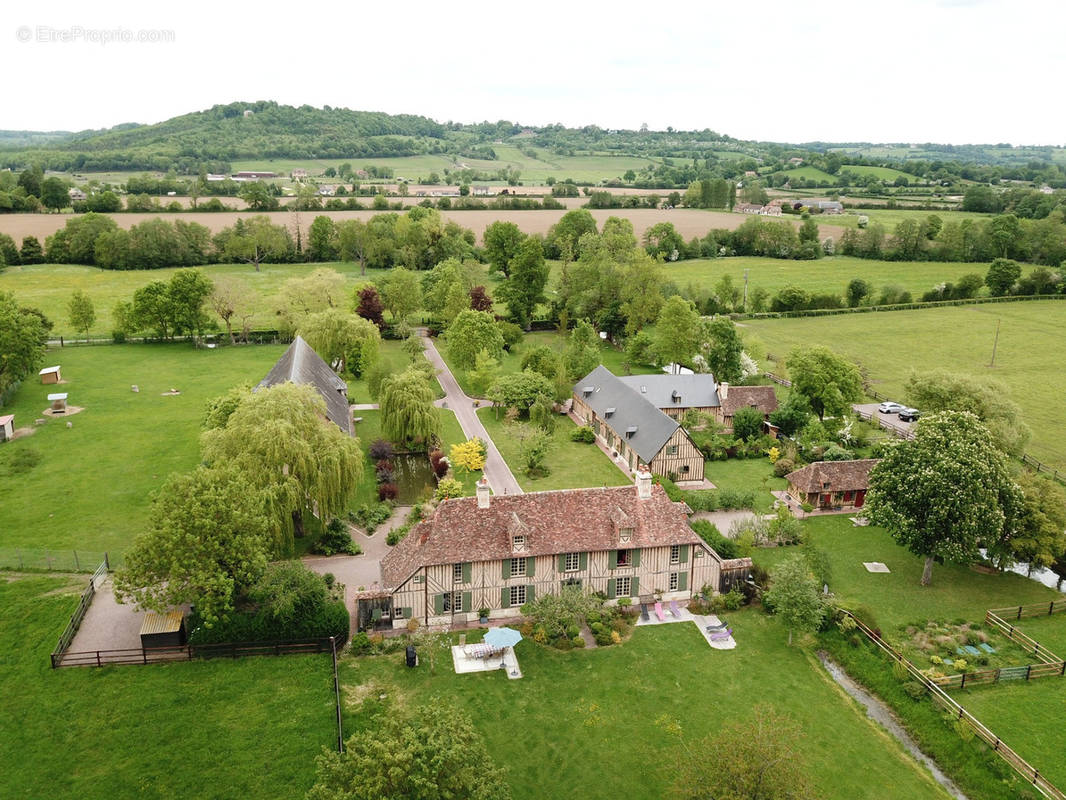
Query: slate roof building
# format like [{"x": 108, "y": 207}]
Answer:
[
  {"x": 631, "y": 426},
  {"x": 300, "y": 364},
  {"x": 499, "y": 552}
]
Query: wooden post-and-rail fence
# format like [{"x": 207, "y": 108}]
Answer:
[{"x": 1026, "y": 770}]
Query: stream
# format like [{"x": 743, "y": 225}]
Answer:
[{"x": 882, "y": 714}]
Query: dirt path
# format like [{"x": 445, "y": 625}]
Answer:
[
  {"x": 882, "y": 714},
  {"x": 499, "y": 475}
]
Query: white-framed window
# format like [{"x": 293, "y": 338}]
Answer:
[
  {"x": 675, "y": 554},
  {"x": 673, "y": 581},
  {"x": 573, "y": 562},
  {"x": 457, "y": 573},
  {"x": 697, "y": 552},
  {"x": 625, "y": 558},
  {"x": 518, "y": 543},
  {"x": 518, "y": 595},
  {"x": 518, "y": 567},
  {"x": 453, "y": 601},
  {"x": 397, "y": 612},
  {"x": 622, "y": 587}
]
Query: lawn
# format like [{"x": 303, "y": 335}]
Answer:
[
  {"x": 825, "y": 275},
  {"x": 50, "y": 286},
  {"x": 1050, "y": 631},
  {"x": 743, "y": 474},
  {"x": 573, "y": 465},
  {"x": 889, "y": 345},
  {"x": 204, "y": 729},
  {"x": 896, "y": 599},
  {"x": 92, "y": 486},
  {"x": 586, "y": 723},
  {"x": 890, "y": 217}
]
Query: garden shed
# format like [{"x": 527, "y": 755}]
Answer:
[
  {"x": 59, "y": 402},
  {"x": 163, "y": 630},
  {"x": 7, "y": 428},
  {"x": 51, "y": 375}
]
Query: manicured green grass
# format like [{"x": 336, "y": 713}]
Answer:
[
  {"x": 573, "y": 465},
  {"x": 587, "y": 723},
  {"x": 205, "y": 729},
  {"x": 92, "y": 487},
  {"x": 1028, "y": 715},
  {"x": 888, "y": 346},
  {"x": 49, "y": 287},
  {"x": 896, "y": 599},
  {"x": 742, "y": 474},
  {"x": 1049, "y": 631},
  {"x": 825, "y": 275}
]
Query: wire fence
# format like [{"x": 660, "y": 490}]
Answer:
[{"x": 25, "y": 559}]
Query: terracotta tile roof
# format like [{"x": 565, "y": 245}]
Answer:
[
  {"x": 762, "y": 397},
  {"x": 841, "y": 476},
  {"x": 564, "y": 521}
]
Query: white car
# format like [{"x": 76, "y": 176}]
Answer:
[{"x": 888, "y": 407}]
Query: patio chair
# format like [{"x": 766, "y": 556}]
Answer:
[
  {"x": 721, "y": 626},
  {"x": 644, "y": 615},
  {"x": 659, "y": 611},
  {"x": 675, "y": 610},
  {"x": 721, "y": 636}
]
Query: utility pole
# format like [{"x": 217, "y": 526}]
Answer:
[
  {"x": 745, "y": 290},
  {"x": 995, "y": 344}
]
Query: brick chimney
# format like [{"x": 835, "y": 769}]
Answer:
[
  {"x": 723, "y": 391},
  {"x": 483, "y": 493},
  {"x": 644, "y": 484}
]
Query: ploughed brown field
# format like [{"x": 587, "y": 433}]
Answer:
[{"x": 689, "y": 222}]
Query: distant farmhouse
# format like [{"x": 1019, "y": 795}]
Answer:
[
  {"x": 302, "y": 365},
  {"x": 496, "y": 553},
  {"x": 638, "y": 416},
  {"x": 76, "y": 195},
  {"x": 827, "y": 206}
]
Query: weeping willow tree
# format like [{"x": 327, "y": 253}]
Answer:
[
  {"x": 334, "y": 334},
  {"x": 284, "y": 445},
  {"x": 407, "y": 412}
]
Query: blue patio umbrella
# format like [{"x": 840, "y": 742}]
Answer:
[{"x": 502, "y": 637}]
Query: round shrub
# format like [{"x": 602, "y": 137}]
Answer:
[
  {"x": 388, "y": 491},
  {"x": 578, "y": 642},
  {"x": 584, "y": 435},
  {"x": 783, "y": 466}
]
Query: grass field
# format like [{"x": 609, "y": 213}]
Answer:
[
  {"x": 824, "y": 275},
  {"x": 584, "y": 723},
  {"x": 891, "y": 217},
  {"x": 881, "y": 173},
  {"x": 204, "y": 729},
  {"x": 746, "y": 473},
  {"x": 573, "y": 465},
  {"x": 92, "y": 486},
  {"x": 888, "y": 346},
  {"x": 810, "y": 173},
  {"x": 896, "y": 598}
]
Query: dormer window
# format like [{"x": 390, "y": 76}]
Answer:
[
  {"x": 609, "y": 412},
  {"x": 825, "y": 485},
  {"x": 518, "y": 543},
  {"x": 625, "y": 534}
]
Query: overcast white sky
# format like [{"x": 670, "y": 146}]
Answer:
[{"x": 898, "y": 70}]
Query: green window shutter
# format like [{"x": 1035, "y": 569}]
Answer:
[
  {"x": 531, "y": 566},
  {"x": 610, "y": 588},
  {"x": 634, "y": 587},
  {"x": 438, "y": 604},
  {"x": 636, "y": 558},
  {"x": 682, "y": 581},
  {"x": 407, "y": 612},
  {"x": 531, "y": 593},
  {"x": 612, "y": 559},
  {"x": 583, "y": 561},
  {"x": 561, "y": 563},
  {"x": 467, "y": 570},
  {"x": 467, "y": 601},
  {"x": 684, "y": 553},
  {"x": 506, "y": 568},
  {"x": 505, "y": 598}
]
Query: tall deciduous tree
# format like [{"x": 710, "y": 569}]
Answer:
[
  {"x": 987, "y": 399},
  {"x": 209, "y": 538},
  {"x": 188, "y": 290},
  {"x": 502, "y": 240},
  {"x": 722, "y": 350},
  {"x": 401, "y": 292},
  {"x": 281, "y": 440},
  {"x": 677, "y": 331},
  {"x": 479, "y": 299},
  {"x": 22, "y": 341},
  {"x": 946, "y": 491},
  {"x": 82, "y": 312},
  {"x": 336, "y": 334},
  {"x": 256, "y": 240},
  {"x": 469, "y": 334},
  {"x": 1040, "y": 538},
  {"x": 641, "y": 292},
  {"x": 1002, "y": 275},
  {"x": 229, "y": 300},
  {"x": 442, "y": 756},
  {"x": 323, "y": 288},
  {"x": 794, "y": 596},
  {"x": 368, "y": 305},
  {"x": 524, "y": 288},
  {"x": 322, "y": 239},
  {"x": 582, "y": 353},
  {"x": 829, "y": 381},
  {"x": 354, "y": 242},
  {"x": 407, "y": 412}
]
